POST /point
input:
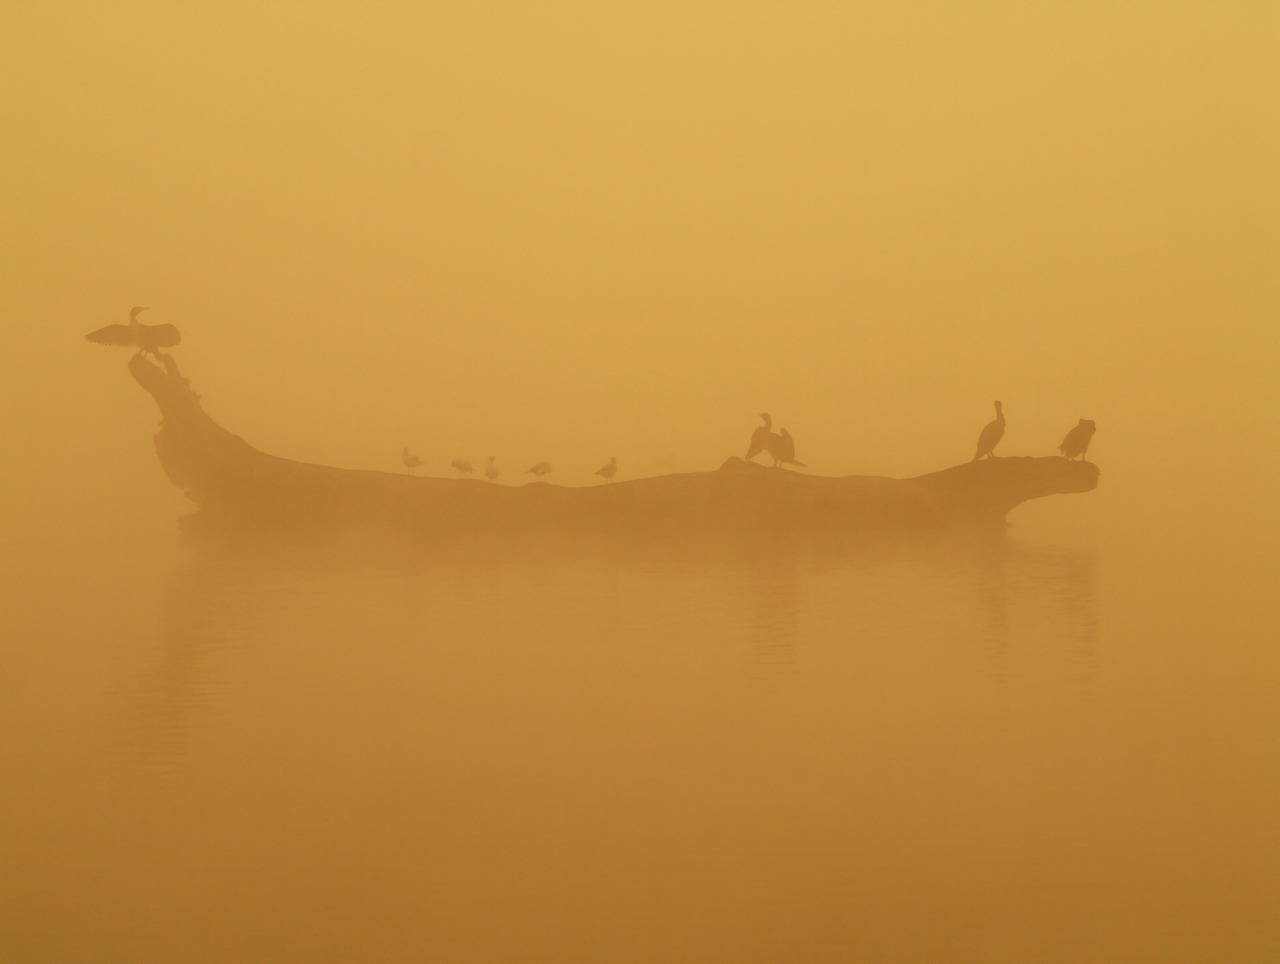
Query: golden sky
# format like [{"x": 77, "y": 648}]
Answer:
[{"x": 566, "y": 231}]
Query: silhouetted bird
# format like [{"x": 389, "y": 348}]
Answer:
[
  {"x": 780, "y": 445},
  {"x": 410, "y": 460},
  {"x": 541, "y": 469},
  {"x": 610, "y": 470},
  {"x": 146, "y": 338},
  {"x": 491, "y": 470},
  {"x": 463, "y": 466},
  {"x": 991, "y": 434},
  {"x": 1077, "y": 440}
]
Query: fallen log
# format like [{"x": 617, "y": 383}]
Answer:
[{"x": 236, "y": 485}]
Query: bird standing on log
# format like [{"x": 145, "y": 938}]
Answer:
[
  {"x": 780, "y": 445},
  {"x": 410, "y": 460},
  {"x": 463, "y": 466},
  {"x": 146, "y": 338},
  {"x": 607, "y": 472},
  {"x": 991, "y": 435},
  {"x": 540, "y": 469},
  {"x": 491, "y": 470},
  {"x": 1077, "y": 440}
]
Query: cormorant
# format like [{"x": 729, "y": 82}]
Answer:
[
  {"x": 1077, "y": 440},
  {"x": 147, "y": 338},
  {"x": 491, "y": 470},
  {"x": 610, "y": 470},
  {"x": 991, "y": 433},
  {"x": 780, "y": 445},
  {"x": 410, "y": 460}
]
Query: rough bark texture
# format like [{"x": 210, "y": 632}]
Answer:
[{"x": 236, "y": 485}]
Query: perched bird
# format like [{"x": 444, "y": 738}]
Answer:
[
  {"x": 991, "y": 433},
  {"x": 463, "y": 466},
  {"x": 146, "y": 338},
  {"x": 410, "y": 460},
  {"x": 540, "y": 469},
  {"x": 491, "y": 470},
  {"x": 785, "y": 450},
  {"x": 610, "y": 470},
  {"x": 780, "y": 445},
  {"x": 1077, "y": 440}
]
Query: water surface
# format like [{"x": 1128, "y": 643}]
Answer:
[{"x": 979, "y": 747}]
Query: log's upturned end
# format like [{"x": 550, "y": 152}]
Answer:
[{"x": 236, "y": 484}]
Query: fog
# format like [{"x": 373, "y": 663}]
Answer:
[
  {"x": 570, "y": 231},
  {"x": 575, "y": 232}
]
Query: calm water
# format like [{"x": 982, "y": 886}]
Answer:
[{"x": 1010, "y": 748}]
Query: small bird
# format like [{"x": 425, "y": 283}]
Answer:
[
  {"x": 990, "y": 437},
  {"x": 780, "y": 445},
  {"x": 491, "y": 470},
  {"x": 410, "y": 460},
  {"x": 463, "y": 466},
  {"x": 540, "y": 469},
  {"x": 610, "y": 470},
  {"x": 146, "y": 338},
  {"x": 1077, "y": 440}
]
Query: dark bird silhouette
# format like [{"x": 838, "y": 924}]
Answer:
[
  {"x": 540, "y": 469},
  {"x": 491, "y": 470},
  {"x": 463, "y": 466},
  {"x": 991, "y": 435},
  {"x": 410, "y": 460},
  {"x": 1077, "y": 440},
  {"x": 780, "y": 445},
  {"x": 610, "y": 470},
  {"x": 146, "y": 338}
]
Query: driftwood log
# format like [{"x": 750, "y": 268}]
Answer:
[{"x": 235, "y": 485}]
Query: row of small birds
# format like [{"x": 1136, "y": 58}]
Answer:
[
  {"x": 1074, "y": 444},
  {"x": 491, "y": 470},
  {"x": 780, "y": 445}
]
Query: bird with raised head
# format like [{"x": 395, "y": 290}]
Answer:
[
  {"x": 146, "y": 338},
  {"x": 990, "y": 436},
  {"x": 1076, "y": 442},
  {"x": 607, "y": 472},
  {"x": 780, "y": 445},
  {"x": 491, "y": 470},
  {"x": 410, "y": 460}
]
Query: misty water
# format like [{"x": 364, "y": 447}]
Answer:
[
  {"x": 982, "y": 746},
  {"x": 564, "y": 231}
]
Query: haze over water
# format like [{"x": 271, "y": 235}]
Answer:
[{"x": 575, "y": 232}]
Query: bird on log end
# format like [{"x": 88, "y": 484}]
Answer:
[
  {"x": 146, "y": 338},
  {"x": 991, "y": 435},
  {"x": 1077, "y": 440},
  {"x": 780, "y": 445},
  {"x": 607, "y": 472}
]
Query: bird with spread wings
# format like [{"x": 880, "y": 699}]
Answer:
[
  {"x": 146, "y": 338},
  {"x": 780, "y": 445}
]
